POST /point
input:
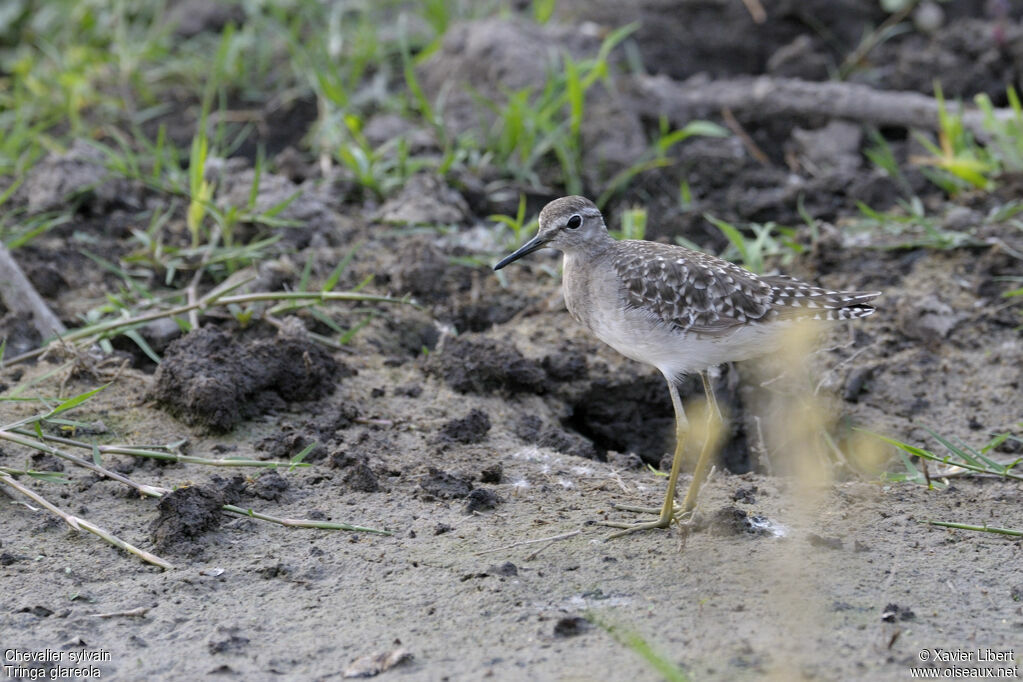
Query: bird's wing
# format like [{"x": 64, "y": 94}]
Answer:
[
  {"x": 793, "y": 298},
  {"x": 693, "y": 291},
  {"x": 702, "y": 294}
]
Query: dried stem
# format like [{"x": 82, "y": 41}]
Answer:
[
  {"x": 17, "y": 292},
  {"x": 207, "y": 301},
  {"x": 159, "y": 452},
  {"x": 82, "y": 524},
  {"x": 302, "y": 523},
  {"x": 984, "y": 529},
  {"x": 148, "y": 490},
  {"x": 552, "y": 539},
  {"x": 157, "y": 491}
]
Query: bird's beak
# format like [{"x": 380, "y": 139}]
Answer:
[{"x": 532, "y": 245}]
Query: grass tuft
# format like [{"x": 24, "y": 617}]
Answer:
[{"x": 961, "y": 460}]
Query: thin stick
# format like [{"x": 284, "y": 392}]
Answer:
[
  {"x": 302, "y": 523},
  {"x": 82, "y": 524},
  {"x": 985, "y": 528},
  {"x": 756, "y": 11},
  {"x": 733, "y": 124},
  {"x": 133, "y": 613},
  {"x": 148, "y": 490},
  {"x": 373, "y": 422},
  {"x": 766, "y": 97},
  {"x": 553, "y": 538},
  {"x": 205, "y": 302},
  {"x": 158, "y": 492},
  {"x": 19, "y": 295},
  {"x": 143, "y": 452}
]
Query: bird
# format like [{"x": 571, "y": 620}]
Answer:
[{"x": 680, "y": 310}]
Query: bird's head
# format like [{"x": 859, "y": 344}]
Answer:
[{"x": 568, "y": 224}]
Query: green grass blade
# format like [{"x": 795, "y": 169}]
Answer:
[
  {"x": 75, "y": 401},
  {"x": 631, "y": 640},
  {"x": 984, "y": 529},
  {"x": 732, "y": 234},
  {"x": 297, "y": 459},
  {"x": 336, "y": 273}
]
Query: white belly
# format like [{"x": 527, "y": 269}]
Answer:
[{"x": 638, "y": 335}]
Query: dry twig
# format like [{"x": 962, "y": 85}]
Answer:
[
  {"x": 763, "y": 97},
  {"x": 19, "y": 295}
]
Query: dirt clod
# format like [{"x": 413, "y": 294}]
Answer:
[
  {"x": 425, "y": 200},
  {"x": 187, "y": 513},
  {"x": 855, "y": 383},
  {"x": 492, "y": 473},
  {"x": 6, "y": 559},
  {"x": 361, "y": 478},
  {"x": 232, "y": 643},
  {"x": 531, "y": 429},
  {"x": 211, "y": 380},
  {"x": 566, "y": 366},
  {"x": 288, "y": 443},
  {"x": 570, "y": 626},
  {"x": 731, "y": 520},
  {"x": 746, "y": 495},
  {"x": 481, "y": 499},
  {"x": 486, "y": 365},
  {"x": 472, "y": 428},
  {"x": 426, "y": 272},
  {"x": 506, "y": 569},
  {"x": 442, "y": 485},
  {"x": 270, "y": 485}
]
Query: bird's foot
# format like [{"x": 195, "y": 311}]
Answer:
[
  {"x": 628, "y": 528},
  {"x": 643, "y": 510},
  {"x": 663, "y": 521}
]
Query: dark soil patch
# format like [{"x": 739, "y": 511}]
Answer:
[
  {"x": 427, "y": 273},
  {"x": 358, "y": 475},
  {"x": 472, "y": 428},
  {"x": 19, "y": 332},
  {"x": 629, "y": 415},
  {"x": 209, "y": 379},
  {"x": 532, "y": 429},
  {"x": 481, "y": 499},
  {"x": 440, "y": 484},
  {"x": 187, "y": 513},
  {"x": 269, "y": 485},
  {"x": 731, "y": 520},
  {"x": 486, "y": 365}
]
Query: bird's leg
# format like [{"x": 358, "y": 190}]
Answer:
[
  {"x": 668, "y": 510},
  {"x": 703, "y": 463}
]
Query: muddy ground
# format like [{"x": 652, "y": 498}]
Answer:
[{"x": 485, "y": 419}]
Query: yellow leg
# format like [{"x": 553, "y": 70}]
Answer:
[
  {"x": 706, "y": 452},
  {"x": 667, "y": 510}
]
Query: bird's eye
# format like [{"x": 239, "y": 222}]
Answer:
[{"x": 574, "y": 222}]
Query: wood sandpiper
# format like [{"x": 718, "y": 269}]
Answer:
[{"x": 679, "y": 310}]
